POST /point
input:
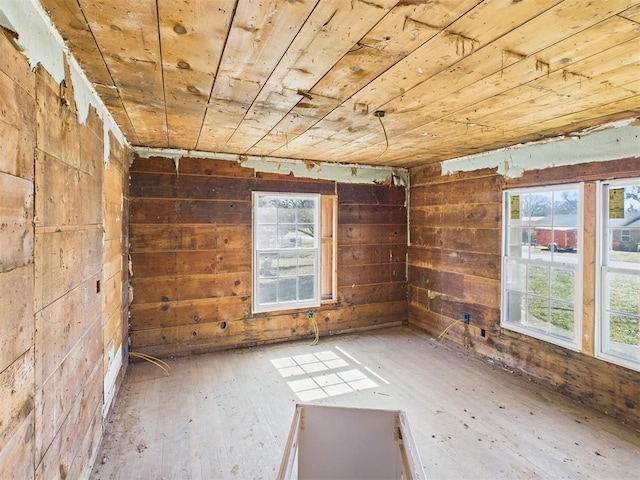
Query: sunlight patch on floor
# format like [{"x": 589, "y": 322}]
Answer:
[{"x": 326, "y": 375}]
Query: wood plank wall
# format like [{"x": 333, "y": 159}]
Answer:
[
  {"x": 51, "y": 261},
  {"x": 191, "y": 257},
  {"x": 455, "y": 267}
]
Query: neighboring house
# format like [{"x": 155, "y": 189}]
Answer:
[
  {"x": 557, "y": 232},
  {"x": 625, "y": 234}
]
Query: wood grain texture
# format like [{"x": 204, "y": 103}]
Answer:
[
  {"x": 454, "y": 265},
  {"x": 192, "y": 258},
  {"x": 51, "y": 266},
  {"x": 303, "y": 79},
  {"x": 236, "y": 409}
]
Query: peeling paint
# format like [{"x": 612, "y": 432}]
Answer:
[
  {"x": 41, "y": 44},
  {"x": 608, "y": 142},
  {"x": 298, "y": 168}
]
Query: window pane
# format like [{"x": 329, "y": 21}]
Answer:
[
  {"x": 624, "y": 335},
  {"x": 267, "y": 237},
  {"x": 268, "y": 265},
  {"x": 288, "y": 264},
  {"x": 286, "y": 211},
  {"x": 621, "y": 273},
  {"x": 624, "y": 292},
  {"x": 538, "y": 312},
  {"x": 538, "y": 280},
  {"x": 306, "y": 263},
  {"x": 267, "y": 210},
  {"x": 541, "y": 237},
  {"x": 307, "y": 290},
  {"x": 515, "y": 275},
  {"x": 287, "y": 289},
  {"x": 562, "y": 284},
  {"x": 286, "y": 251},
  {"x": 286, "y": 236},
  {"x": 624, "y": 225},
  {"x": 268, "y": 290},
  {"x": 306, "y": 235},
  {"x": 562, "y": 319},
  {"x": 514, "y": 307}
]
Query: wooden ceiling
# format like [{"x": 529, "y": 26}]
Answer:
[{"x": 304, "y": 78}]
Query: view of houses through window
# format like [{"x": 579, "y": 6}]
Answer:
[
  {"x": 286, "y": 261},
  {"x": 541, "y": 263},
  {"x": 620, "y": 273}
]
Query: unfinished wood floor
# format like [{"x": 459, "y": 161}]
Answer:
[{"x": 227, "y": 415}]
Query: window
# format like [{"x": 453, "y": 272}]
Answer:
[
  {"x": 619, "y": 279},
  {"x": 293, "y": 250},
  {"x": 541, "y": 269}
]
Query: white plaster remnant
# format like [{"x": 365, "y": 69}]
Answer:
[
  {"x": 41, "y": 43},
  {"x": 611, "y": 142},
  {"x": 344, "y": 173}
]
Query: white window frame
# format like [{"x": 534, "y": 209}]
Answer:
[
  {"x": 574, "y": 343},
  {"x": 604, "y": 267},
  {"x": 257, "y": 306}
]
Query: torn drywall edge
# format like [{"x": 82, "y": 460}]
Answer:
[
  {"x": 610, "y": 143},
  {"x": 339, "y": 172},
  {"x": 42, "y": 44}
]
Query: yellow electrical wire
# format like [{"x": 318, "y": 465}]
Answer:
[
  {"x": 156, "y": 361},
  {"x": 446, "y": 330},
  {"x": 316, "y": 330}
]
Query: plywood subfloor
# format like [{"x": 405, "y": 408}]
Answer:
[{"x": 227, "y": 415}]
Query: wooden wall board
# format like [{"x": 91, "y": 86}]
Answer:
[
  {"x": 61, "y": 142},
  {"x": 195, "y": 312},
  {"x": 66, "y": 385},
  {"x": 192, "y": 257},
  {"x": 17, "y": 399},
  {"x": 17, "y": 116},
  {"x": 53, "y": 307},
  {"x": 16, "y": 221},
  {"x": 372, "y": 293},
  {"x": 371, "y": 234},
  {"x": 61, "y": 324},
  {"x": 265, "y": 329},
  {"x": 63, "y": 260},
  {"x": 111, "y": 289},
  {"x": 113, "y": 258},
  {"x": 367, "y": 254},
  {"x": 456, "y": 238},
  {"x": 68, "y": 454},
  {"x": 356, "y": 275},
  {"x": 376, "y": 214},
  {"x": 91, "y": 145},
  {"x": 447, "y": 278},
  {"x": 371, "y": 194},
  {"x": 17, "y": 327},
  {"x": 16, "y": 456},
  {"x": 153, "y": 210},
  {"x": 220, "y": 212}
]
